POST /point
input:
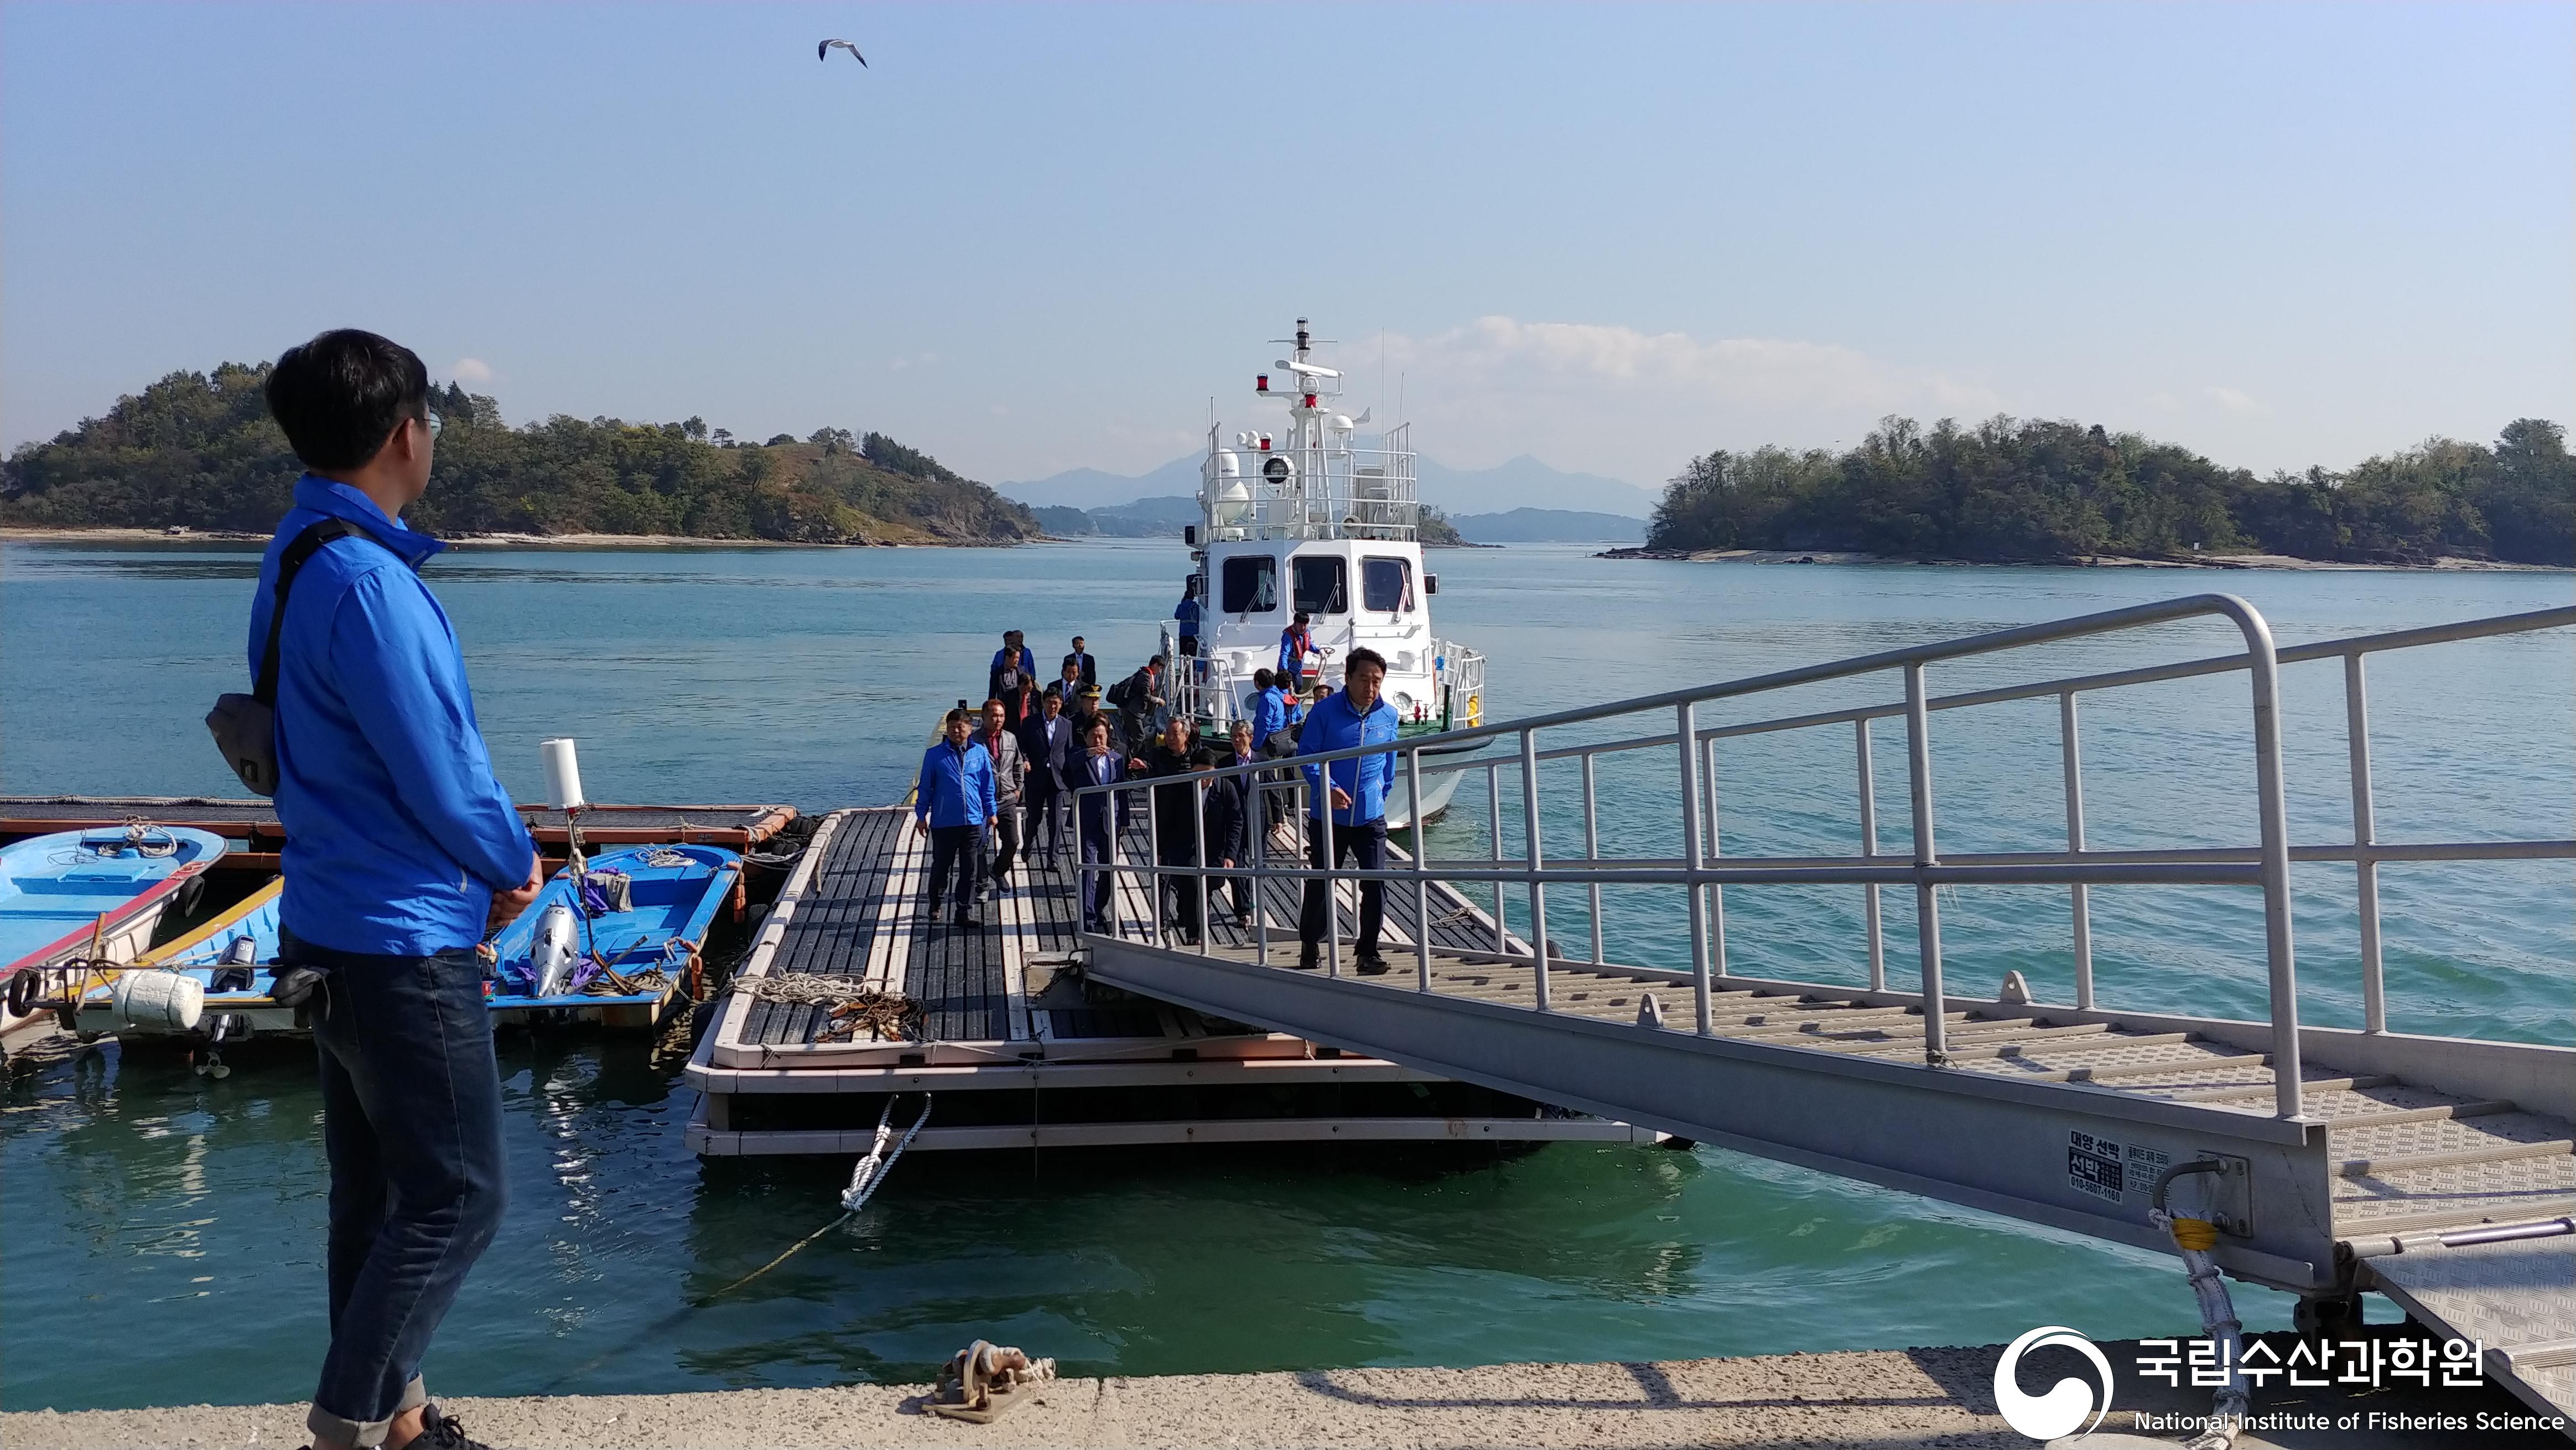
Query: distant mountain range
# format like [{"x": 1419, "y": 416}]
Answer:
[{"x": 1522, "y": 483}]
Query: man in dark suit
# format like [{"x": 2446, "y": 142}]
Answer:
[
  {"x": 1232, "y": 824},
  {"x": 1081, "y": 659},
  {"x": 1046, "y": 742},
  {"x": 1095, "y": 823},
  {"x": 1176, "y": 757}
]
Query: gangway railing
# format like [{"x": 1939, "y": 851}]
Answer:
[{"x": 1703, "y": 871}]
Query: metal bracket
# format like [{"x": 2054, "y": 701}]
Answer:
[{"x": 2229, "y": 1194}]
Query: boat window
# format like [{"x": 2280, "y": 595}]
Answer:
[
  {"x": 1323, "y": 585},
  {"x": 1251, "y": 585},
  {"x": 1387, "y": 584}
]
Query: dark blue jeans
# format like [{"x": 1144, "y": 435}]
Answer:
[
  {"x": 411, "y": 1119},
  {"x": 1363, "y": 845}
]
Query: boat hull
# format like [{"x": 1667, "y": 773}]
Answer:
[
  {"x": 677, "y": 891},
  {"x": 89, "y": 895}
]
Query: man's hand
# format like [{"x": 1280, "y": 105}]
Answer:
[
  {"x": 1341, "y": 799},
  {"x": 506, "y": 905},
  {"x": 921, "y": 825}
]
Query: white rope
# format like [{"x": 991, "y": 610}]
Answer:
[{"x": 871, "y": 1171}]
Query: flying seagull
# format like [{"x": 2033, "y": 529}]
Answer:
[{"x": 824, "y": 51}]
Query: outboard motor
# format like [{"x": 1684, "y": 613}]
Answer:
[{"x": 554, "y": 950}]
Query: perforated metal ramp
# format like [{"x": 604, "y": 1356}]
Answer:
[{"x": 2518, "y": 1298}]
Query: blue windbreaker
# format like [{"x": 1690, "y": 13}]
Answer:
[
  {"x": 954, "y": 789},
  {"x": 1186, "y": 615},
  {"x": 1334, "y": 725},
  {"x": 1270, "y": 714},
  {"x": 396, "y": 833}
]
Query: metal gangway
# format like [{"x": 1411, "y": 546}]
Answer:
[{"x": 2332, "y": 1160}]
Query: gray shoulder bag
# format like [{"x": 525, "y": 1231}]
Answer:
[{"x": 245, "y": 726}]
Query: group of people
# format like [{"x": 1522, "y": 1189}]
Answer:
[{"x": 999, "y": 785}]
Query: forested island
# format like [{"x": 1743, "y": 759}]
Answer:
[
  {"x": 199, "y": 451},
  {"x": 2029, "y": 490}
]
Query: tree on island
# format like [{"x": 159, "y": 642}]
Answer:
[
  {"x": 199, "y": 450},
  {"x": 2028, "y": 489}
]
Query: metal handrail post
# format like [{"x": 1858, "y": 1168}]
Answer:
[
  {"x": 1261, "y": 798},
  {"x": 1716, "y": 851},
  {"x": 1686, "y": 715},
  {"x": 2263, "y": 672},
  {"x": 1869, "y": 847},
  {"x": 1537, "y": 863},
  {"x": 1198, "y": 834},
  {"x": 2365, "y": 834},
  {"x": 1494, "y": 831},
  {"x": 1153, "y": 873},
  {"x": 1592, "y": 850},
  {"x": 1927, "y": 910},
  {"x": 2080, "y": 896},
  {"x": 1421, "y": 880},
  {"x": 1331, "y": 888}
]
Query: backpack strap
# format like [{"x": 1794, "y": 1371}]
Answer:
[{"x": 289, "y": 564}]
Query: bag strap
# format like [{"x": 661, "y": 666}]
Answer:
[{"x": 289, "y": 564}]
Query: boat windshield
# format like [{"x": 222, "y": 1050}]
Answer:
[
  {"x": 1251, "y": 585},
  {"x": 1323, "y": 585},
  {"x": 1386, "y": 584}
]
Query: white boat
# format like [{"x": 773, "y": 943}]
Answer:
[{"x": 1320, "y": 517}]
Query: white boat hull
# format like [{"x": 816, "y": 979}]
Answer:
[{"x": 1436, "y": 791}]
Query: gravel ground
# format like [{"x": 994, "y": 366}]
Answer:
[{"x": 1868, "y": 1400}]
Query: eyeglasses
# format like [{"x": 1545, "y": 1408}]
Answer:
[{"x": 431, "y": 421}]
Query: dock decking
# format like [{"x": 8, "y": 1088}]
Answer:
[{"x": 1001, "y": 1008}]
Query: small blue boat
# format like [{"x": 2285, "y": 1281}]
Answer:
[
  {"x": 231, "y": 955},
  {"x": 575, "y": 948},
  {"x": 93, "y": 895}
]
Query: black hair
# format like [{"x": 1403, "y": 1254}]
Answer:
[
  {"x": 1263, "y": 679},
  {"x": 955, "y": 717},
  {"x": 1156, "y": 661},
  {"x": 1098, "y": 723},
  {"x": 340, "y": 396},
  {"x": 1362, "y": 656},
  {"x": 1302, "y": 617}
]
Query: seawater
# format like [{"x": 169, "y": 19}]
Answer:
[{"x": 172, "y": 1225}]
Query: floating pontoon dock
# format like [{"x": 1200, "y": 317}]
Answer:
[
  {"x": 1019, "y": 1052},
  {"x": 2330, "y": 1160}
]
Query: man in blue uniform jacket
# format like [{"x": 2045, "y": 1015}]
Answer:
[
  {"x": 950, "y": 803},
  {"x": 401, "y": 852},
  {"x": 1355, "y": 792}
]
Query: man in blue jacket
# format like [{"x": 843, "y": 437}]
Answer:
[
  {"x": 1185, "y": 615},
  {"x": 950, "y": 804},
  {"x": 401, "y": 852},
  {"x": 1354, "y": 791}
]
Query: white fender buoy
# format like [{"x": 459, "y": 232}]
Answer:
[{"x": 157, "y": 1001}]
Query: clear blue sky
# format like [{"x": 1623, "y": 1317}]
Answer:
[{"x": 1033, "y": 238}]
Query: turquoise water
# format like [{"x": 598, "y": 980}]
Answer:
[{"x": 171, "y": 1223}]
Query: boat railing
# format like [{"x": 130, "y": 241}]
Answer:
[
  {"x": 1674, "y": 724},
  {"x": 1202, "y": 687},
  {"x": 1461, "y": 682},
  {"x": 1335, "y": 491}
]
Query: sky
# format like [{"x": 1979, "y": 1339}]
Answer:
[{"x": 1028, "y": 239}]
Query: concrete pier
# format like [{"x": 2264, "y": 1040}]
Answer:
[{"x": 1864, "y": 1400}]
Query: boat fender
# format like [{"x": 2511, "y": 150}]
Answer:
[
  {"x": 190, "y": 893},
  {"x": 152, "y": 1000},
  {"x": 555, "y": 952},
  {"x": 24, "y": 989}
]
